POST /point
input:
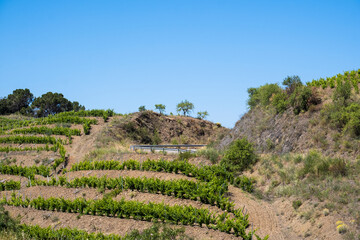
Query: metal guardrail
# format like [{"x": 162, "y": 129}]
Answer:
[{"x": 168, "y": 148}]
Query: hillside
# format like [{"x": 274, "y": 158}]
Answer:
[
  {"x": 50, "y": 179},
  {"x": 308, "y": 140},
  {"x": 149, "y": 127},
  {"x": 314, "y": 128},
  {"x": 74, "y": 172}
]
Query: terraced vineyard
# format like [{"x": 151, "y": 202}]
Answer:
[{"x": 62, "y": 199}]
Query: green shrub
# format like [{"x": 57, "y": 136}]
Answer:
[
  {"x": 310, "y": 161},
  {"x": 299, "y": 99},
  {"x": 239, "y": 156},
  {"x": 6, "y": 222},
  {"x": 291, "y": 83},
  {"x": 269, "y": 144},
  {"x": 210, "y": 153},
  {"x": 280, "y": 102},
  {"x": 156, "y": 233},
  {"x": 262, "y": 95},
  {"x": 342, "y": 92},
  {"x": 338, "y": 167},
  {"x": 319, "y": 166},
  {"x": 296, "y": 204},
  {"x": 343, "y": 118},
  {"x": 186, "y": 155}
]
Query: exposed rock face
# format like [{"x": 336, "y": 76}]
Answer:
[
  {"x": 143, "y": 126},
  {"x": 281, "y": 133}
]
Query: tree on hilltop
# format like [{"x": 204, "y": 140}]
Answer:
[
  {"x": 160, "y": 107},
  {"x": 52, "y": 103},
  {"x": 202, "y": 115},
  {"x": 185, "y": 107}
]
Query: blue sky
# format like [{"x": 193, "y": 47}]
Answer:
[{"x": 124, "y": 54}]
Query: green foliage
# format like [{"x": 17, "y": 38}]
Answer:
[
  {"x": 186, "y": 215},
  {"x": 160, "y": 108},
  {"x": 202, "y": 115},
  {"x": 28, "y": 172},
  {"x": 19, "y": 100},
  {"x": 206, "y": 192},
  {"x": 87, "y": 127},
  {"x": 142, "y": 108},
  {"x": 52, "y": 103},
  {"x": 204, "y": 173},
  {"x": 262, "y": 96},
  {"x": 244, "y": 183},
  {"x": 318, "y": 166},
  {"x": 342, "y": 93},
  {"x": 343, "y": 115},
  {"x": 29, "y": 139},
  {"x": 47, "y": 131},
  {"x": 210, "y": 153},
  {"x": 280, "y": 102},
  {"x": 10, "y": 185},
  {"x": 185, "y": 107},
  {"x": 157, "y": 233},
  {"x": 296, "y": 204},
  {"x": 8, "y": 124},
  {"x": 300, "y": 99},
  {"x": 39, "y": 233},
  {"x": 353, "y": 77},
  {"x": 8, "y": 149},
  {"x": 291, "y": 83},
  {"x": 239, "y": 156},
  {"x": 105, "y": 114},
  {"x": 6, "y": 222}
]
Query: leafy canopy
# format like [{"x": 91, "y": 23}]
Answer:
[
  {"x": 239, "y": 156},
  {"x": 202, "y": 115},
  {"x": 19, "y": 100},
  {"x": 160, "y": 108},
  {"x": 185, "y": 107},
  {"x": 52, "y": 103}
]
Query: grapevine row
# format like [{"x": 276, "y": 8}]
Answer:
[
  {"x": 7, "y": 124},
  {"x": 30, "y": 139},
  {"x": 186, "y": 215},
  {"x": 28, "y": 172},
  {"x": 48, "y": 131},
  {"x": 8, "y": 149},
  {"x": 353, "y": 77},
  {"x": 206, "y": 192},
  {"x": 14, "y": 170},
  {"x": 39, "y": 233},
  {"x": 204, "y": 173},
  {"x": 105, "y": 114},
  {"x": 10, "y": 185}
]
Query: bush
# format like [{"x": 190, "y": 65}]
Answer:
[
  {"x": 291, "y": 83},
  {"x": 342, "y": 92},
  {"x": 317, "y": 165},
  {"x": 210, "y": 153},
  {"x": 296, "y": 204},
  {"x": 343, "y": 118},
  {"x": 239, "y": 156},
  {"x": 280, "y": 102},
  {"x": 6, "y": 222},
  {"x": 299, "y": 99},
  {"x": 155, "y": 233},
  {"x": 262, "y": 95},
  {"x": 185, "y": 155}
]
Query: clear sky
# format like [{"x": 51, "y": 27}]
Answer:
[{"x": 124, "y": 54}]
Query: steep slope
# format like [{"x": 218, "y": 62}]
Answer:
[{"x": 149, "y": 127}]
